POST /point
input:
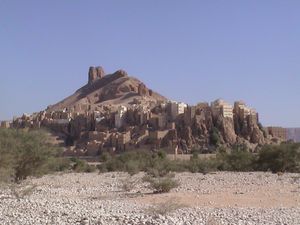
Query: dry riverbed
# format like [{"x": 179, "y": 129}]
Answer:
[{"x": 211, "y": 199}]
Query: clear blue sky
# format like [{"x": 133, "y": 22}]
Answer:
[{"x": 189, "y": 51}]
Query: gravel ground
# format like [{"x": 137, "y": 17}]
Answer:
[{"x": 212, "y": 199}]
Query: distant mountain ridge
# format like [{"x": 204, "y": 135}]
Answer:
[{"x": 293, "y": 134}]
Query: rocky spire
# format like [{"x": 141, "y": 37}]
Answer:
[
  {"x": 100, "y": 72},
  {"x": 95, "y": 73}
]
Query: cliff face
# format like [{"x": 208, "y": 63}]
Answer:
[{"x": 206, "y": 130}]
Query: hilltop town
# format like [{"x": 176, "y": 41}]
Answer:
[{"x": 116, "y": 112}]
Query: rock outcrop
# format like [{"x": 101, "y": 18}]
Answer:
[
  {"x": 122, "y": 73},
  {"x": 142, "y": 90},
  {"x": 226, "y": 127},
  {"x": 112, "y": 89},
  {"x": 205, "y": 129},
  {"x": 95, "y": 73}
]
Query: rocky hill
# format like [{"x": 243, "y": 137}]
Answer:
[
  {"x": 111, "y": 89},
  {"x": 117, "y": 112}
]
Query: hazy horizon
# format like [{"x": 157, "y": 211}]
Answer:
[{"x": 187, "y": 51}]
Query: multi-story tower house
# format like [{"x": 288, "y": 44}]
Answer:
[
  {"x": 220, "y": 107},
  {"x": 120, "y": 116}
]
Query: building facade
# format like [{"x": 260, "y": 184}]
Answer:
[
  {"x": 220, "y": 107},
  {"x": 120, "y": 116}
]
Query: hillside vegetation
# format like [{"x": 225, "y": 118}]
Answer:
[
  {"x": 273, "y": 158},
  {"x": 29, "y": 153}
]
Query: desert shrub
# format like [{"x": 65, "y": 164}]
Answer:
[
  {"x": 159, "y": 167},
  {"x": 195, "y": 156},
  {"x": 215, "y": 137},
  {"x": 161, "y": 154},
  {"x": 104, "y": 157},
  {"x": 135, "y": 161},
  {"x": 154, "y": 164},
  {"x": 178, "y": 165},
  {"x": 197, "y": 165},
  {"x": 132, "y": 167},
  {"x": 285, "y": 157},
  {"x": 156, "y": 172},
  {"x": 147, "y": 178},
  {"x": 58, "y": 164},
  {"x": 202, "y": 166},
  {"x": 281, "y": 158},
  {"x": 25, "y": 153},
  {"x": 196, "y": 150},
  {"x": 91, "y": 169},
  {"x": 239, "y": 159},
  {"x": 81, "y": 166},
  {"x": 162, "y": 184}
]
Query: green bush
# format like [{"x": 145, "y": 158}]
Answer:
[
  {"x": 162, "y": 185},
  {"x": 159, "y": 167},
  {"x": 132, "y": 167},
  {"x": 156, "y": 172},
  {"x": 135, "y": 161},
  {"x": 214, "y": 137},
  {"x": 239, "y": 159},
  {"x": 58, "y": 164},
  {"x": 281, "y": 158},
  {"x": 195, "y": 156},
  {"x": 104, "y": 157},
  {"x": 155, "y": 164},
  {"x": 81, "y": 166},
  {"x": 161, "y": 154},
  {"x": 25, "y": 153},
  {"x": 197, "y": 165},
  {"x": 285, "y": 157}
]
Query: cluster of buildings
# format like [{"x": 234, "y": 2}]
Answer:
[
  {"x": 91, "y": 132},
  {"x": 227, "y": 110},
  {"x": 241, "y": 111}
]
